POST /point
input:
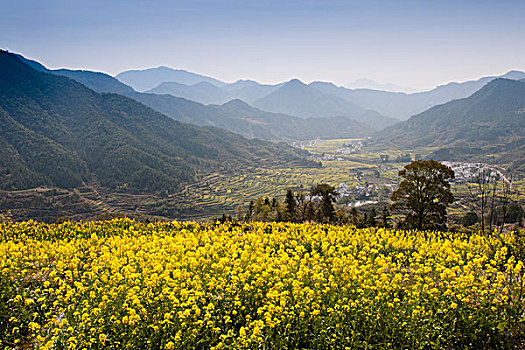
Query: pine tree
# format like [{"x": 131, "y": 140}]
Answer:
[{"x": 290, "y": 205}]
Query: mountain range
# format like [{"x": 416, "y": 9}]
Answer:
[
  {"x": 56, "y": 131},
  {"x": 396, "y": 105},
  {"x": 374, "y": 85},
  {"x": 73, "y": 128},
  {"x": 297, "y": 111},
  {"x": 142, "y": 80},
  {"x": 299, "y": 99},
  {"x": 293, "y": 98},
  {"x": 237, "y": 117}
]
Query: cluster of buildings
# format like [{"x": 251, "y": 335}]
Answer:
[
  {"x": 471, "y": 172},
  {"x": 351, "y": 147}
]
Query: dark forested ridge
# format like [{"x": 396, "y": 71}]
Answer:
[
  {"x": 239, "y": 117},
  {"x": 57, "y": 132}
]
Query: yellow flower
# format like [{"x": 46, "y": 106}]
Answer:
[{"x": 242, "y": 332}]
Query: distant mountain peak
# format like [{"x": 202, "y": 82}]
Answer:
[
  {"x": 325, "y": 83},
  {"x": 246, "y": 81},
  {"x": 295, "y": 81},
  {"x": 514, "y": 75},
  {"x": 236, "y": 103},
  {"x": 374, "y": 85},
  {"x": 147, "y": 79}
]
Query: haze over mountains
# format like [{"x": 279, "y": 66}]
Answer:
[
  {"x": 237, "y": 117},
  {"x": 395, "y": 105},
  {"x": 289, "y": 111},
  {"x": 142, "y": 80},
  {"x": 299, "y": 99},
  {"x": 374, "y": 85},
  {"x": 283, "y": 112}
]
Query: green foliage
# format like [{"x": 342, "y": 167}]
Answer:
[
  {"x": 513, "y": 213},
  {"x": 424, "y": 194},
  {"x": 469, "y": 219},
  {"x": 291, "y": 204},
  {"x": 327, "y": 193}
]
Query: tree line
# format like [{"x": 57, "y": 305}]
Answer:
[{"x": 420, "y": 202}]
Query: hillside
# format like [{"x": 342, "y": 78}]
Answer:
[
  {"x": 252, "y": 122},
  {"x": 402, "y": 105},
  {"x": 96, "y": 81},
  {"x": 236, "y": 116},
  {"x": 490, "y": 121},
  {"x": 202, "y": 92},
  {"x": 206, "y": 93},
  {"x": 57, "y": 132},
  {"x": 142, "y": 80},
  {"x": 239, "y": 117},
  {"x": 298, "y": 99}
]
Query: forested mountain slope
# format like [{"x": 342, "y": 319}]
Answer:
[
  {"x": 490, "y": 121},
  {"x": 57, "y": 132}
]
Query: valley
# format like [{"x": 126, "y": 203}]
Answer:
[
  {"x": 261, "y": 175},
  {"x": 111, "y": 150},
  {"x": 369, "y": 177}
]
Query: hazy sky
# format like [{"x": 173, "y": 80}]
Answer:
[{"x": 415, "y": 43}]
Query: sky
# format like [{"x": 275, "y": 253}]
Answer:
[{"x": 413, "y": 43}]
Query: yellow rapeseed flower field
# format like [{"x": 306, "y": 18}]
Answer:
[{"x": 122, "y": 284}]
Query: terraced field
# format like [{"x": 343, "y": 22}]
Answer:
[{"x": 218, "y": 193}]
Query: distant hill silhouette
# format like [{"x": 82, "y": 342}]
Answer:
[
  {"x": 401, "y": 105},
  {"x": 147, "y": 79},
  {"x": 236, "y": 116},
  {"x": 373, "y": 85},
  {"x": 299, "y": 99},
  {"x": 397, "y": 105},
  {"x": 202, "y": 92},
  {"x": 206, "y": 93}
]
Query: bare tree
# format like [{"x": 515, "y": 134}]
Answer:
[
  {"x": 506, "y": 198},
  {"x": 479, "y": 193}
]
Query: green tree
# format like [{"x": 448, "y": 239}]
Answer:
[
  {"x": 384, "y": 216},
  {"x": 372, "y": 218},
  {"x": 327, "y": 193},
  {"x": 469, "y": 219},
  {"x": 424, "y": 194},
  {"x": 290, "y": 205}
]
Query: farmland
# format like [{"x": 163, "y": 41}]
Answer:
[
  {"x": 124, "y": 284},
  {"x": 216, "y": 193}
]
